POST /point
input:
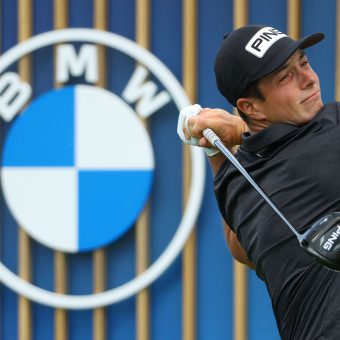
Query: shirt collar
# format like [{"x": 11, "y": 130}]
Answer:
[
  {"x": 266, "y": 137},
  {"x": 260, "y": 140}
]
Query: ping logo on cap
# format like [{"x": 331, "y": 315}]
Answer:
[{"x": 260, "y": 43}]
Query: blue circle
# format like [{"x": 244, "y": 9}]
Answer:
[{"x": 108, "y": 200}]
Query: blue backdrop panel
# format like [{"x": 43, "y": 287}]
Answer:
[
  {"x": 166, "y": 42},
  {"x": 316, "y": 18}
]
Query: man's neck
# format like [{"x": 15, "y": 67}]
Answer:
[{"x": 257, "y": 126}]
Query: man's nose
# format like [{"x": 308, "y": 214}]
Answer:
[{"x": 307, "y": 78}]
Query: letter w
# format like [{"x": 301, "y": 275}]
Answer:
[{"x": 137, "y": 90}]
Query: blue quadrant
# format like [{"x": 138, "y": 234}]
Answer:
[
  {"x": 43, "y": 135},
  {"x": 109, "y": 204}
]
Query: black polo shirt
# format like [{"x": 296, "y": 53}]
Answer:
[{"x": 299, "y": 169}]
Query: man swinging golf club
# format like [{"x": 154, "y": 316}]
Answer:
[{"x": 290, "y": 145}]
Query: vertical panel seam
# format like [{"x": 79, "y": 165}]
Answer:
[
  {"x": 99, "y": 256},
  {"x": 60, "y": 259},
  {"x": 240, "y": 271},
  {"x": 190, "y": 248},
  {"x": 142, "y": 225},
  {"x": 25, "y": 320}
]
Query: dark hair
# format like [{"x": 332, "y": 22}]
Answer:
[{"x": 251, "y": 91}]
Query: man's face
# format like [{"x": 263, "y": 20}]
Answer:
[{"x": 292, "y": 93}]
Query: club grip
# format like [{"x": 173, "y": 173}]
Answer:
[{"x": 210, "y": 135}]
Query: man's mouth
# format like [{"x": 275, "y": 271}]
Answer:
[{"x": 311, "y": 97}]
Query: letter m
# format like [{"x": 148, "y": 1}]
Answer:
[{"x": 69, "y": 63}]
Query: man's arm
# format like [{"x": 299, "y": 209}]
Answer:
[
  {"x": 233, "y": 243},
  {"x": 229, "y": 128},
  {"x": 233, "y": 127},
  {"x": 235, "y": 247}
]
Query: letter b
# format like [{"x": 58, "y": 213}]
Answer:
[{"x": 13, "y": 95}]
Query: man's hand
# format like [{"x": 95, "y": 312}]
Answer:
[{"x": 227, "y": 126}]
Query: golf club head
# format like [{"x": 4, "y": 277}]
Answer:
[{"x": 322, "y": 241}]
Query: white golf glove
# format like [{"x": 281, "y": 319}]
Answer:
[{"x": 184, "y": 115}]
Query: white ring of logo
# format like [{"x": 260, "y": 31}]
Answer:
[{"x": 175, "y": 246}]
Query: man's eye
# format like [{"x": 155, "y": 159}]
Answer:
[{"x": 283, "y": 78}]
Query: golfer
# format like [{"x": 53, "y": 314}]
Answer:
[{"x": 290, "y": 144}]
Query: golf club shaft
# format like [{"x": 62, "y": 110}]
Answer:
[{"x": 211, "y": 136}]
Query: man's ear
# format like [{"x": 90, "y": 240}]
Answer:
[{"x": 250, "y": 108}]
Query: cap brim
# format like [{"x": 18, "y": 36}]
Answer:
[{"x": 285, "y": 54}]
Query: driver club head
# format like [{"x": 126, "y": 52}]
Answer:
[{"x": 322, "y": 241}]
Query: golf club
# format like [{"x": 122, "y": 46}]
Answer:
[{"x": 321, "y": 240}]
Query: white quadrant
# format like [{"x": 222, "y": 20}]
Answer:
[
  {"x": 109, "y": 135},
  {"x": 44, "y": 202}
]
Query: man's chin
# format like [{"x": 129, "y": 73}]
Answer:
[{"x": 311, "y": 113}]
